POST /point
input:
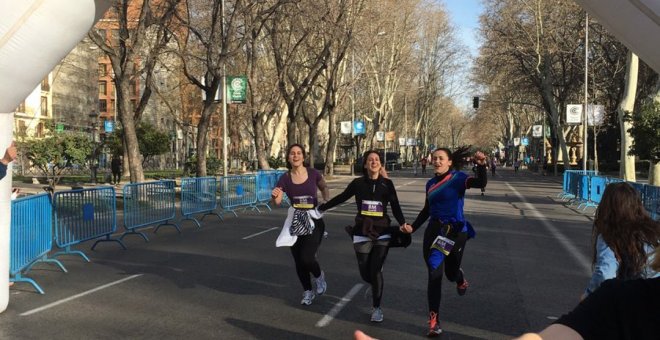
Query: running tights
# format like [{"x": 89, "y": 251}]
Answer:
[
  {"x": 304, "y": 254},
  {"x": 371, "y": 257},
  {"x": 451, "y": 265}
]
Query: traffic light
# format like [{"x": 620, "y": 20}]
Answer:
[{"x": 475, "y": 102}]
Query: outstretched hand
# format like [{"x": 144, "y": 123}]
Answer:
[{"x": 479, "y": 158}]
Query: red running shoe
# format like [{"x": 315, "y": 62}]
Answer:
[{"x": 434, "y": 325}]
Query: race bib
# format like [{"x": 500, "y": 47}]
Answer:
[
  {"x": 443, "y": 244},
  {"x": 372, "y": 208},
  {"x": 303, "y": 202}
]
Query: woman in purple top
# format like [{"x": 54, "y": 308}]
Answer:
[{"x": 300, "y": 185}]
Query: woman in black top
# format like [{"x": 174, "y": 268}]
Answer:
[{"x": 372, "y": 232}]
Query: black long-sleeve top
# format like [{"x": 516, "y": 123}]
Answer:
[
  {"x": 367, "y": 189},
  {"x": 444, "y": 195}
]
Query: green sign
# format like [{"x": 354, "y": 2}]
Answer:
[
  {"x": 237, "y": 89},
  {"x": 59, "y": 127}
]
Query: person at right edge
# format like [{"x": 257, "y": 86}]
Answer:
[{"x": 447, "y": 231}]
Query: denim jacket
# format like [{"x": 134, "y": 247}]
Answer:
[{"x": 606, "y": 265}]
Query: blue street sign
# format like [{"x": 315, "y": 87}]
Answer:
[
  {"x": 109, "y": 126},
  {"x": 524, "y": 141},
  {"x": 358, "y": 127}
]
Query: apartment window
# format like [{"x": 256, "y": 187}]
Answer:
[
  {"x": 45, "y": 85},
  {"x": 112, "y": 89},
  {"x": 21, "y": 107},
  {"x": 111, "y": 109},
  {"x": 40, "y": 130},
  {"x": 103, "y": 70},
  {"x": 103, "y": 88},
  {"x": 22, "y": 128},
  {"x": 44, "y": 106},
  {"x": 103, "y": 105},
  {"x": 132, "y": 88}
]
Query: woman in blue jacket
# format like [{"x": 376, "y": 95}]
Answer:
[
  {"x": 447, "y": 231},
  {"x": 624, "y": 237}
]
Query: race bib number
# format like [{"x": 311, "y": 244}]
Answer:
[
  {"x": 372, "y": 208},
  {"x": 443, "y": 244},
  {"x": 303, "y": 202}
]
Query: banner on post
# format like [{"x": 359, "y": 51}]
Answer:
[
  {"x": 573, "y": 113},
  {"x": 345, "y": 127}
]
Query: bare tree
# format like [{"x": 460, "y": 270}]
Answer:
[{"x": 142, "y": 35}]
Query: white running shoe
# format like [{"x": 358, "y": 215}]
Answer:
[
  {"x": 376, "y": 314},
  {"x": 321, "y": 285},
  {"x": 308, "y": 296}
]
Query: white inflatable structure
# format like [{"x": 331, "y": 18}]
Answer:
[
  {"x": 636, "y": 23},
  {"x": 34, "y": 36}
]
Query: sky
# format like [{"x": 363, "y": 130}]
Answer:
[{"x": 464, "y": 15}]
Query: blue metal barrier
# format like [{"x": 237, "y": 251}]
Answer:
[
  {"x": 596, "y": 188},
  {"x": 82, "y": 215},
  {"x": 584, "y": 193},
  {"x": 31, "y": 236},
  {"x": 238, "y": 192},
  {"x": 570, "y": 186},
  {"x": 652, "y": 201},
  {"x": 265, "y": 187},
  {"x": 148, "y": 203},
  {"x": 198, "y": 195}
]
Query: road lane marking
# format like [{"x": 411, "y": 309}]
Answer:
[
  {"x": 563, "y": 240},
  {"x": 59, "y": 302},
  {"x": 326, "y": 319},
  {"x": 259, "y": 233}
]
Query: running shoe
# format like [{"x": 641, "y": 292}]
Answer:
[
  {"x": 461, "y": 288},
  {"x": 321, "y": 285},
  {"x": 308, "y": 296},
  {"x": 376, "y": 314},
  {"x": 434, "y": 325}
]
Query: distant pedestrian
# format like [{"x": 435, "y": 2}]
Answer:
[
  {"x": 115, "y": 167},
  {"x": 516, "y": 165},
  {"x": 493, "y": 166},
  {"x": 423, "y": 162}
]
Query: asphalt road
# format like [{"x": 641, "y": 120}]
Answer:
[{"x": 528, "y": 265}]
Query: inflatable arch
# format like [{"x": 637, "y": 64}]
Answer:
[{"x": 34, "y": 36}]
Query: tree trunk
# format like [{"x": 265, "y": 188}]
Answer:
[
  {"x": 130, "y": 135},
  {"x": 260, "y": 144},
  {"x": 202, "y": 141},
  {"x": 654, "y": 173},
  {"x": 627, "y": 166},
  {"x": 332, "y": 143}
]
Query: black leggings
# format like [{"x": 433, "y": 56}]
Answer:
[
  {"x": 451, "y": 265},
  {"x": 304, "y": 254},
  {"x": 371, "y": 258}
]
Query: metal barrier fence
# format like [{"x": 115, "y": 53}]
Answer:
[
  {"x": 198, "y": 195},
  {"x": 587, "y": 190},
  {"x": 148, "y": 203},
  {"x": 82, "y": 215},
  {"x": 570, "y": 184},
  {"x": 238, "y": 192},
  {"x": 31, "y": 236}
]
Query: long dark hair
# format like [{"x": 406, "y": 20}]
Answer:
[
  {"x": 288, "y": 151},
  {"x": 364, "y": 161},
  {"x": 626, "y": 228},
  {"x": 458, "y": 157}
]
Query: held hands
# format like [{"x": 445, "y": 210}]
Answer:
[{"x": 406, "y": 228}]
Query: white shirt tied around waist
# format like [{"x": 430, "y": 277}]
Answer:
[{"x": 285, "y": 239}]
